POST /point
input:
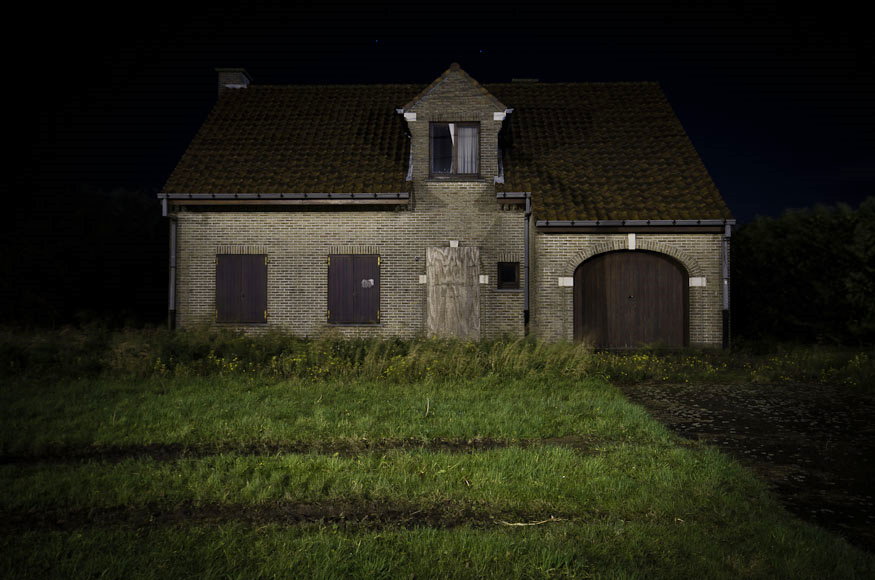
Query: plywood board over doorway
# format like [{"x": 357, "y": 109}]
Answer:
[{"x": 453, "y": 276}]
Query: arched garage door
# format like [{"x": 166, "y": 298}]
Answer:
[{"x": 630, "y": 298}]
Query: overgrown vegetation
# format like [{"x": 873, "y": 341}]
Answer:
[
  {"x": 806, "y": 277},
  {"x": 98, "y": 351},
  {"x": 157, "y": 454}
]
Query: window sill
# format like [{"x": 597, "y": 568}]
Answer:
[
  {"x": 509, "y": 290},
  {"x": 451, "y": 178},
  {"x": 355, "y": 324}
]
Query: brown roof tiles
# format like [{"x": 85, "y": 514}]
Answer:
[
  {"x": 585, "y": 150},
  {"x": 599, "y": 151}
]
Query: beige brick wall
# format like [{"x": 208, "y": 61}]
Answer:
[
  {"x": 297, "y": 244},
  {"x": 558, "y": 255}
]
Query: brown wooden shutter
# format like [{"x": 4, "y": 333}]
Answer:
[
  {"x": 241, "y": 287},
  {"x": 228, "y": 277},
  {"x": 340, "y": 297},
  {"x": 367, "y": 289},
  {"x": 253, "y": 298},
  {"x": 353, "y": 289}
]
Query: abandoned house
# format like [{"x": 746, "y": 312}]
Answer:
[{"x": 563, "y": 210}]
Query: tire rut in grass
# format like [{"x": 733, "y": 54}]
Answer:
[
  {"x": 176, "y": 451},
  {"x": 353, "y": 514}
]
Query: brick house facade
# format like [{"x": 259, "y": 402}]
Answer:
[{"x": 574, "y": 210}]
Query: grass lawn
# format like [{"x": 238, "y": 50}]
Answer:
[{"x": 541, "y": 475}]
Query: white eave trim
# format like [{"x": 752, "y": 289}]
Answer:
[{"x": 501, "y": 115}]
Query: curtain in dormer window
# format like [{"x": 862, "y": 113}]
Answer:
[
  {"x": 455, "y": 148},
  {"x": 467, "y": 144}
]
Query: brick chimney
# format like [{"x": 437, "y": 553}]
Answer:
[{"x": 233, "y": 78}]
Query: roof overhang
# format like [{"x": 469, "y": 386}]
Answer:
[
  {"x": 512, "y": 196},
  {"x": 207, "y": 199},
  {"x": 635, "y": 226}
]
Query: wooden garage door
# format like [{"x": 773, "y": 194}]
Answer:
[{"x": 628, "y": 299}]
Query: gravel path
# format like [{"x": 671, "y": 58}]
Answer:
[{"x": 813, "y": 444}]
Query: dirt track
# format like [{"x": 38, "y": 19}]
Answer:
[{"x": 813, "y": 444}]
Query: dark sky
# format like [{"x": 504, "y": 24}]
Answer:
[{"x": 778, "y": 103}]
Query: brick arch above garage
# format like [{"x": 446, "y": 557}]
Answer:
[{"x": 641, "y": 243}]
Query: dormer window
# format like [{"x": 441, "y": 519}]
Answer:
[{"x": 455, "y": 148}]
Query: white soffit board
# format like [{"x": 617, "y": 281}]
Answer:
[
  {"x": 631, "y": 241},
  {"x": 566, "y": 281},
  {"x": 697, "y": 281},
  {"x": 409, "y": 116},
  {"x": 499, "y": 116}
]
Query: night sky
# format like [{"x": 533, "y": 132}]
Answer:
[{"x": 778, "y": 104}]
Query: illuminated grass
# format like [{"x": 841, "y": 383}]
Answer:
[{"x": 610, "y": 491}]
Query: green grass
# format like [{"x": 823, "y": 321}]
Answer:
[
  {"x": 220, "y": 409},
  {"x": 616, "y": 494},
  {"x": 612, "y": 549},
  {"x": 629, "y": 481}
]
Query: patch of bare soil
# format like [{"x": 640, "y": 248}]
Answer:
[
  {"x": 346, "y": 448},
  {"x": 813, "y": 444},
  {"x": 358, "y": 514}
]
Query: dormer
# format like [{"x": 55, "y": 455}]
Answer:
[{"x": 454, "y": 124}]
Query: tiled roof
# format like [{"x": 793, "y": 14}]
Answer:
[
  {"x": 299, "y": 139},
  {"x": 604, "y": 151},
  {"x": 585, "y": 150}
]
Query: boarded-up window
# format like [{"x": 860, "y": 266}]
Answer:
[
  {"x": 241, "y": 288},
  {"x": 353, "y": 289}
]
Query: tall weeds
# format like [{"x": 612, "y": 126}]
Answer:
[
  {"x": 205, "y": 352},
  {"x": 141, "y": 353}
]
